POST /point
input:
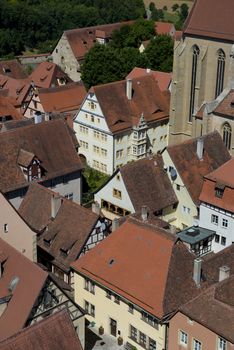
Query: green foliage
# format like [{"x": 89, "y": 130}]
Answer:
[
  {"x": 175, "y": 7},
  {"x": 159, "y": 53},
  {"x": 38, "y": 23},
  {"x": 92, "y": 180},
  {"x": 183, "y": 13},
  {"x": 104, "y": 64}
]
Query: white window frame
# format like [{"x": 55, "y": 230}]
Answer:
[
  {"x": 225, "y": 223},
  {"x": 214, "y": 219},
  {"x": 183, "y": 338},
  {"x": 197, "y": 345}
]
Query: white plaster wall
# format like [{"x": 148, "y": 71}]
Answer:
[
  {"x": 158, "y": 132},
  {"x": 72, "y": 186},
  {"x": 106, "y": 309},
  {"x": 106, "y": 193},
  {"x": 205, "y": 221}
]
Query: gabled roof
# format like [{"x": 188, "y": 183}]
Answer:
[
  {"x": 16, "y": 89},
  {"x": 49, "y": 141},
  {"x": 122, "y": 113},
  {"x": 69, "y": 230},
  {"x": 223, "y": 176},
  {"x": 190, "y": 168},
  {"x": 151, "y": 187},
  {"x": 13, "y": 69},
  {"x": 162, "y": 78},
  {"x": 226, "y": 105},
  {"x": 52, "y": 333},
  {"x": 212, "y": 19},
  {"x": 164, "y": 27},
  {"x": 82, "y": 40},
  {"x": 21, "y": 300},
  {"x": 48, "y": 74},
  {"x": 7, "y": 109},
  {"x": 64, "y": 98}
]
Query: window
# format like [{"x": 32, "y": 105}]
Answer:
[
  {"x": 89, "y": 308},
  {"x": 103, "y": 137},
  {"x": 134, "y": 150},
  {"x": 225, "y": 223},
  {"x": 69, "y": 196},
  {"x": 117, "y": 299},
  {"x": 178, "y": 187},
  {"x": 130, "y": 308},
  {"x": 196, "y": 53},
  {"x": 223, "y": 240},
  {"x": 117, "y": 193},
  {"x": 84, "y": 145},
  {"x": 135, "y": 135},
  {"x": 128, "y": 151},
  {"x": 227, "y": 135},
  {"x": 133, "y": 333},
  {"x": 196, "y": 345},
  {"x": 143, "y": 339},
  {"x": 119, "y": 139},
  {"x": 84, "y": 129},
  {"x": 86, "y": 307},
  {"x": 5, "y": 227},
  {"x": 103, "y": 152},
  {"x": 220, "y": 72},
  {"x": 185, "y": 210},
  {"x": 89, "y": 286},
  {"x": 217, "y": 237},
  {"x": 92, "y": 310},
  {"x": 92, "y": 118},
  {"x": 96, "y": 149},
  {"x": 214, "y": 219},
  {"x": 152, "y": 344},
  {"x": 219, "y": 192},
  {"x": 119, "y": 154},
  {"x": 96, "y": 134},
  {"x": 222, "y": 344},
  {"x": 92, "y": 105},
  {"x": 118, "y": 177},
  {"x": 183, "y": 338},
  {"x": 96, "y": 164},
  {"x": 141, "y": 149},
  {"x": 149, "y": 319},
  {"x": 103, "y": 168},
  {"x": 108, "y": 294}
]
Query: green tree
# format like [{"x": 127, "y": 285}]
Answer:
[
  {"x": 159, "y": 53},
  {"x": 175, "y": 7}
]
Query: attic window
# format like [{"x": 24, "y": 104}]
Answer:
[
  {"x": 232, "y": 104},
  {"x": 111, "y": 262},
  {"x": 6, "y": 70},
  {"x": 219, "y": 190},
  {"x": 84, "y": 42},
  {"x": 64, "y": 252},
  {"x": 47, "y": 242}
]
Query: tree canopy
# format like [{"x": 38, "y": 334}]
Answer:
[{"x": 40, "y": 23}]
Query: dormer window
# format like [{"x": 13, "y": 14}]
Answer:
[
  {"x": 30, "y": 165},
  {"x": 47, "y": 242},
  {"x": 64, "y": 252},
  {"x": 219, "y": 190}
]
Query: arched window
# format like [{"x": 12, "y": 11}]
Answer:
[
  {"x": 220, "y": 72},
  {"x": 227, "y": 135},
  {"x": 196, "y": 53}
]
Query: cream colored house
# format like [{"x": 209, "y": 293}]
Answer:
[
  {"x": 186, "y": 164},
  {"x": 15, "y": 231},
  {"x": 122, "y": 122},
  {"x": 203, "y": 66},
  {"x": 125, "y": 284}
]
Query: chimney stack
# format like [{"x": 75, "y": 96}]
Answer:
[
  {"x": 96, "y": 208},
  {"x": 197, "y": 271},
  {"x": 115, "y": 224},
  {"x": 129, "y": 89},
  {"x": 200, "y": 147},
  {"x": 37, "y": 118},
  {"x": 148, "y": 70},
  {"x": 55, "y": 205},
  {"x": 224, "y": 272},
  {"x": 144, "y": 213}
]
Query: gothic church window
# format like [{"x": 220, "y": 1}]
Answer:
[
  {"x": 227, "y": 135},
  {"x": 196, "y": 53},
  {"x": 220, "y": 72}
]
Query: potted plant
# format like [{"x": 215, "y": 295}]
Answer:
[
  {"x": 120, "y": 341},
  {"x": 101, "y": 330}
]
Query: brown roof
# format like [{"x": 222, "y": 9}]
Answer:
[
  {"x": 150, "y": 187},
  {"x": 16, "y": 89},
  {"x": 121, "y": 113},
  {"x": 200, "y": 22},
  {"x": 12, "y": 69},
  {"x": 214, "y": 309},
  {"x": 162, "y": 78},
  {"x": 69, "y": 230},
  {"x": 49, "y": 141},
  {"x": 52, "y": 333},
  {"x": 8, "y": 110},
  {"x": 23, "y": 297},
  {"x": 190, "y": 168},
  {"x": 63, "y": 98},
  {"x": 48, "y": 74},
  {"x": 82, "y": 40},
  {"x": 226, "y": 106}
]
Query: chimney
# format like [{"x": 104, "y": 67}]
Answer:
[
  {"x": 148, "y": 70},
  {"x": 37, "y": 117},
  {"x": 47, "y": 116},
  {"x": 96, "y": 208},
  {"x": 129, "y": 89},
  {"x": 224, "y": 272},
  {"x": 144, "y": 213},
  {"x": 115, "y": 224},
  {"x": 200, "y": 147},
  {"x": 197, "y": 271},
  {"x": 55, "y": 205}
]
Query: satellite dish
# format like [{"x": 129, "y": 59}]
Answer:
[
  {"x": 13, "y": 283},
  {"x": 173, "y": 174}
]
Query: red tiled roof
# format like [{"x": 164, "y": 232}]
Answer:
[
  {"x": 190, "y": 168},
  {"x": 52, "y": 333},
  {"x": 64, "y": 98},
  {"x": 82, "y": 40},
  {"x": 121, "y": 113},
  {"x": 222, "y": 176},
  {"x": 47, "y": 74},
  {"x": 163, "y": 27},
  {"x": 23, "y": 297},
  {"x": 7, "y": 109},
  {"x": 202, "y": 20},
  {"x": 12, "y": 69},
  {"x": 226, "y": 106},
  {"x": 16, "y": 89},
  {"x": 162, "y": 78}
]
